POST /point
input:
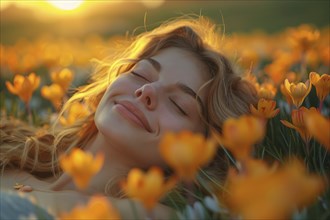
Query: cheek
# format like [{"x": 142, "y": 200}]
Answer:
[
  {"x": 120, "y": 86},
  {"x": 103, "y": 115},
  {"x": 170, "y": 124},
  {"x": 169, "y": 121}
]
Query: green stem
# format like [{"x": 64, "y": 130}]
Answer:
[
  {"x": 189, "y": 194},
  {"x": 307, "y": 154},
  {"x": 28, "y": 109},
  {"x": 150, "y": 214},
  {"x": 133, "y": 206},
  {"x": 272, "y": 130},
  {"x": 320, "y": 106},
  {"x": 291, "y": 108},
  {"x": 303, "y": 66}
]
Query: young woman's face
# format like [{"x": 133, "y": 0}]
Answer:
[{"x": 157, "y": 95}]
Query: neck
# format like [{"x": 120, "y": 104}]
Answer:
[{"x": 115, "y": 167}]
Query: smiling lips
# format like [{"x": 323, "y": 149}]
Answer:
[{"x": 130, "y": 111}]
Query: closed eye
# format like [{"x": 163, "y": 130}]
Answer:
[
  {"x": 178, "y": 107},
  {"x": 139, "y": 75}
]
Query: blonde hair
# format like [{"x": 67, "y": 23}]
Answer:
[{"x": 227, "y": 95}]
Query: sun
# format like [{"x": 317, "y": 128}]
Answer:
[{"x": 65, "y": 4}]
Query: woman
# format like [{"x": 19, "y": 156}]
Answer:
[{"x": 172, "y": 78}]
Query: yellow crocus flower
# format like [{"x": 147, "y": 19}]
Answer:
[
  {"x": 297, "y": 92},
  {"x": 325, "y": 55},
  {"x": 307, "y": 186},
  {"x": 304, "y": 37},
  {"x": 24, "y": 86},
  {"x": 62, "y": 78},
  {"x": 81, "y": 166},
  {"x": 147, "y": 187},
  {"x": 298, "y": 122},
  {"x": 262, "y": 192},
  {"x": 276, "y": 72},
  {"x": 321, "y": 83},
  {"x": 239, "y": 135},
  {"x": 98, "y": 207},
  {"x": 280, "y": 65},
  {"x": 266, "y": 90},
  {"x": 186, "y": 152},
  {"x": 248, "y": 57},
  {"x": 75, "y": 112},
  {"x": 54, "y": 93},
  {"x": 319, "y": 127},
  {"x": 265, "y": 109},
  {"x": 286, "y": 94}
]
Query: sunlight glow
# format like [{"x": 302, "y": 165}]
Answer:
[{"x": 66, "y": 5}]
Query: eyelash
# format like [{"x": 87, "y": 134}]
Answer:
[
  {"x": 140, "y": 76},
  {"x": 178, "y": 107}
]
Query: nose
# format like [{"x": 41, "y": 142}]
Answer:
[{"x": 147, "y": 94}]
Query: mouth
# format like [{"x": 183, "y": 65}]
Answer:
[{"x": 134, "y": 114}]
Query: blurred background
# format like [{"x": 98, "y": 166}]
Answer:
[
  {"x": 81, "y": 18},
  {"x": 47, "y": 37}
]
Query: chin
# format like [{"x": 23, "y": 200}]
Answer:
[
  {"x": 138, "y": 147},
  {"x": 134, "y": 142}
]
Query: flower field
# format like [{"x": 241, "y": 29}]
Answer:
[{"x": 279, "y": 154}]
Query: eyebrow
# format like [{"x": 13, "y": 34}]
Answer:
[
  {"x": 154, "y": 63},
  {"x": 184, "y": 88}
]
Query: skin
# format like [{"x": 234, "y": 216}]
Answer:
[
  {"x": 122, "y": 137},
  {"x": 53, "y": 201},
  {"x": 151, "y": 91}
]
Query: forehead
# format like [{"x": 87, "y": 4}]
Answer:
[{"x": 179, "y": 65}]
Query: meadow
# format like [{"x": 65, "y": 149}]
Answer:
[{"x": 279, "y": 154}]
